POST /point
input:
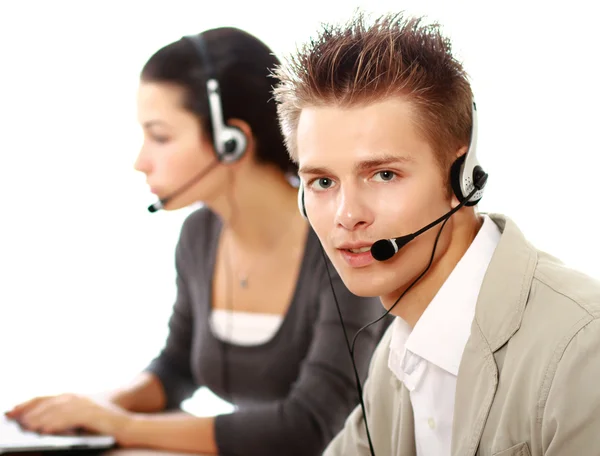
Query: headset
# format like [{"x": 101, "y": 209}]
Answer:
[
  {"x": 230, "y": 145},
  {"x": 229, "y": 142},
  {"x": 467, "y": 179},
  {"x": 465, "y": 174}
]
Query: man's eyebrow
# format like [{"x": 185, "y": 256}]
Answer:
[
  {"x": 313, "y": 170},
  {"x": 360, "y": 166},
  {"x": 383, "y": 160}
]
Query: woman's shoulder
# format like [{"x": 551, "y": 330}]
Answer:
[
  {"x": 200, "y": 229},
  {"x": 320, "y": 271},
  {"x": 315, "y": 256},
  {"x": 320, "y": 265},
  {"x": 199, "y": 218}
]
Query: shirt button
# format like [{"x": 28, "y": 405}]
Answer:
[{"x": 431, "y": 423}]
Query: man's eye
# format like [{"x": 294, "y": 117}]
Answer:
[
  {"x": 322, "y": 183},
  {"x": 384, "y": 176}
]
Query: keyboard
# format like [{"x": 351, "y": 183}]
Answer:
[{"x": 13, "y": 438}]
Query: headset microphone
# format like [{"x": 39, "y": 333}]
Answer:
[
  {"x": 384, "y": 249},
  {"x": 161, "y": 202}
]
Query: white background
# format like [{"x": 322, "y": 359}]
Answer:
[{"x": 86, "y": 274}]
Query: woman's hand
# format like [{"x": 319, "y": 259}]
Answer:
[{"x": 68, "y": 412}]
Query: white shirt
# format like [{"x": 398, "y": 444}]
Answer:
[
  {"x": 426, "y": 359},
  {"x": 244, "y": 328}
]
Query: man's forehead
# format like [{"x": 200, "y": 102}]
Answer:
[{"x": 379, "y": 127}]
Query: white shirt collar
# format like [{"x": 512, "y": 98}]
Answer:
[{"x": 442, "y": 332}]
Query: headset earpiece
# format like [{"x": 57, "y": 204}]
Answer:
[
  {"x": 301, "y": 206},
  {"x": 231, "y": 144},
  {"x": 457, "y": 175},
  {"x": 466, "y": 173}
]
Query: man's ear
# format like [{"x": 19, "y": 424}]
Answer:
[{"x": 453, "y": 198}]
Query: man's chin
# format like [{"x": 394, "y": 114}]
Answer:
[
  {"x": 364, "y": 291},
  {"x": 363, "y": 285}
]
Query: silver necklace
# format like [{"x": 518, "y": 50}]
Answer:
[{"x": 242, "y": 278}]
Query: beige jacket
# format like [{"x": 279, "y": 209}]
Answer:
[{"x": 529, "y": 378}]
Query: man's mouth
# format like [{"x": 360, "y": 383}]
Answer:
[{"x": 361, "y": 250}]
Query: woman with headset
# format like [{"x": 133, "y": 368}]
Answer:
[{"x": 255, "y": 318}]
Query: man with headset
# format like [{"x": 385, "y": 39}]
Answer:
[{"x": 496, "y": 346}]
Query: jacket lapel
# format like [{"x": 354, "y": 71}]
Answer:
[
  {"x": 403, "y": 443},
  {"x": 475, "y": 390},
  {"x": 498, "y": 315}
]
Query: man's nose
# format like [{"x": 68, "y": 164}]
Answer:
[{"x": 353, "y": 212}]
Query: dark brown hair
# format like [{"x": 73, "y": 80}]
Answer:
[
  {"x": 243, "y": 66},
  {"x": 358, "y": 63}
]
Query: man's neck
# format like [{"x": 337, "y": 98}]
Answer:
[{"x": 415, "y": 301}]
